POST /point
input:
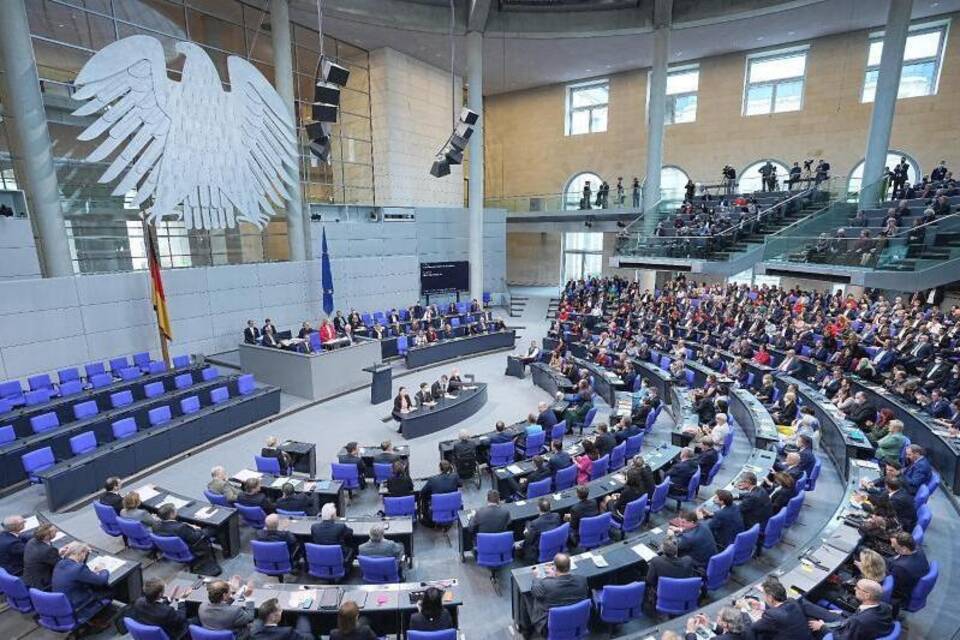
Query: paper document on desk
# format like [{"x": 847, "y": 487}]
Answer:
[
  {"x": 245, "y": 474},
  {"x": 31, "y": 523},
  {"x": 100, "y": 563},
  {"x": 298, "y": 598},
  {"x": 60, "y": 535},
  {"x": 279, "y": 482},
  {"x": 644, "y": 551},
  {"x": 146, "y": 492},
  {"x": 178, "y": 503},
  {"x": 206, "y": 513},
  {"x": 867, "y": 464},
  {"x": 515, "y": 469}
]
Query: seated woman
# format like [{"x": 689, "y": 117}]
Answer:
[
  {"x": 272, "y": 449},
  {"x": 785, "y": 411},
  {"x": 585, "y": 462},
  {"x": 765, "y": 392},
  {"x": 133, "y": 511},
  {"x": 782, "y": 491},
  {"x": 401, "y": 404},
  {"x": 431, "y": 614},
  {"x": 399, "y": 483}
]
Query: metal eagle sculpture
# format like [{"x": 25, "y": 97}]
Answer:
[{"x": 225, "y": 156}]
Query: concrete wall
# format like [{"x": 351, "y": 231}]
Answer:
[
  {"x": 533, "y": 258},
  {"x": 18, "y": 253},
  {"x": 411, "y": 109},
  {"x": 527, "y": 152}
]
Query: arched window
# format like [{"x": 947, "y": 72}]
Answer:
[
  {"x": 893, "y": 159},
  {"x": 672, "y": 181},
  {"x": 574, "y": 190},
  {"x": 751, "y": 180}
]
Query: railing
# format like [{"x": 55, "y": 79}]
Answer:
[{"x": 548, "y": 202}]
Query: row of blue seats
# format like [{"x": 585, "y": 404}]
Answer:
[
  {"x": 83, "y": 410},
  {"x": 42, "y": 387},
  {"x": 36, "y": 461}
]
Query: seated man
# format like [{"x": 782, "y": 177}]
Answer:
[
  {"x": 559, "y": 458},
  {"x": 12, "y": 543},
  {"x": 273, "y": 532},
  {"x": 500, "y": 434},
  {"x": 546, "y": 417},
  {"x": 627, "y": 428},
  {"x": 330, "y": 531},
  {"x": 557, "y": 590},
  {"x": 465, "y": 455},
  {"x": 387, "y": 454},
  {"x": 682, "y": 471},
  {"x": 447, "y": 481},
  {"x": 111, "y": 494},
  {"x": 697, "y": 541},
  {"x": 153, "y": 609},
  {"x": 491, "y": 518},
  {"x": 351, "y": 455},
  {"x": 708, "y": 457},
  {"x": 585, "y": 507},
  {"x": 604, "y": 440},
  {"x": 667, "y": 565},
  {"x": 220, "y": 485},
  {"x": 40, "y": 558},
  {"x": 290, "y": 500},
  {"x": 222, "y": 613},
  {"x": 546, "y": 520},
  {"x": 205, "y": 559},
  {"x": 253, "y": 496},
  {"x": 755, "y": 505},
  {"x": 783, "y": 617},
  {"x": 440, "y": 388},
  {"x": 907, "y": 567},
  {"x": 872, "y": 619},
  {"x": 726, "y": 522},
  {"x": 267, "y": 626},
  {"x": 86, "y": 590},
  {"x": 380, "y": 547},
  {"x": 918, "y": 471},
  {"x": 791, "y": 465},
  {"x": 272, "y": 449}
]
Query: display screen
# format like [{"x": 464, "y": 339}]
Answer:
[{"x": 440, "y": 277}]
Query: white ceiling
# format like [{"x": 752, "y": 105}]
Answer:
[{"x": 523, "y": 60}]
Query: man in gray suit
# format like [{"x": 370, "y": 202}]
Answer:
[
  {"x": 379, "y": 547},
  {"x": 223, "y": 613},
  {"x": 561, "y": 588},
  {"x": 492, "y": 518}
]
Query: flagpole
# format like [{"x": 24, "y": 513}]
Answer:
[{"x": 152, "y": 256}]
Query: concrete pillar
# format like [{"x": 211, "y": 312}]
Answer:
[
  {"x": 26, "y": 125},
  {"x": 655, "y": 117},
  {"x": 885, "y": 100},
  {"x": 297, "y": 229},
  {"x": 475, "y": 103}
]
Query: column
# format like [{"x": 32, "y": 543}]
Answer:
[
  {"x": 885, "y": 99},
  {"x": 655, "y": 116},
  {"x": 475, "y": 103},
  {"x": 26, "y": 124},
  {"x": 297, "y": 233}
]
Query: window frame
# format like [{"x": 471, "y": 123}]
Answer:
[
  {"x": 582, "y": 254},
  {"x": 670, "y": 108},
  {"x": 914, "y": 29},
  {"x": 570, "y": 110},
  {"x": 774, "y": 54}
]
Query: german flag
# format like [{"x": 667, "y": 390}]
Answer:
[{"x": 156, "y": 284}]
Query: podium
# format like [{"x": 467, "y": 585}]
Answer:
[
  {"x": 381, "y": 389},
  {"x": 515, "y": 367}
]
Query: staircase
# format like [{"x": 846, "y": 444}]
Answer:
[
  {"x": 553, "y": 307},
  {"x": 517, "y": 305}
]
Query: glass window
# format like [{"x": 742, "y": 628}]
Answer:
[
  {"x": 682, "y": 85},
  {"x": 893, "y": 159},
  {"x": 582, "y": 255},
  {"x": 587, "y": 107},
  {"x": 775, "y": 82},
  {"x": 751, "y": 180},
  {"x": 672, "y": 182},
  {"x": 922, "y": 58},
  {"x": 573, "y": 194}
]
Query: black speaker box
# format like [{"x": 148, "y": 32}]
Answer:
[
  {"x": 326, "y": 93},
  {"x": 324, "y": 112},
  {"x": 332, "y": 72},
  {"x": 468, "y": 117},
  {"x": 440, "y": 168}
]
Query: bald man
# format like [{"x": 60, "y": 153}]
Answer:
[
  {"x": 274, "y": 530},
  {"x": 12, "y": 542},
  {"x": 872, "y": 619}
]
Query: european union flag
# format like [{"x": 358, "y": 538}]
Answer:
[{"x": 326, "y": 277}]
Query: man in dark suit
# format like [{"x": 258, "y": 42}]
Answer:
[
  {"x": 726, "y": 522},
  {"x": 272, "y": 532},
  {"x": 351, "y": 455},
  {"x": 546, "y": 417},
  {"x": 251, "y": 334},
  {"x": 918, "y": 355},
  {"x": 667, "y": 565},
  {"x": 111, "y": 494},
  {"x": 547, "y": 520},
  {"x": 791, "y": 364},
  {"x": 387, "y": 455},
  {"x": 12, "y": 543},
  {"x": 331, "y": 531},
  {"x": 708, "y": 457},
  {"x": 199, "y": 545},
  {"x": 872, "y": 619},
  {"x": 907, "y": 567},
  {"x": 500, "y": 434},
  {"x": 755, "y": 506},
  {"x": 557, "y": 590},
  {"x": 627, "y": 428},
  {"x": 154, "y": 609},
  {"x": 885, "y": 357},
  {"x": 440, "y": 388},
  {"x": 267, "y": 626},
  {"x": 86, "y": 589},
  {"x": 697, "y": 541},
  {"x": 682, "y": 471},
  {"x": 791, "y": 465},
  {"x": 221, "y": 613},
  {"x": 253, "y": 496},
  {"x": 492, "y": 518},
  {"x": 862, "y": 412},
  {"x": 447, "y": 481},
  {"x": 423, "y": 396},
  {"x": 40, "y": 557},
  {"x": 585, "y": 507},
  {"x": 559, "y": 459},
  {"x": 807, "y": 458},
  {"x": 604, "y": 440},
  {"x": 271, "y": 449},
  {"x": 918, "y": 471},
  {"x": 290, "y": 500},
  {"x": 784, "y": 618},
  {"x": 902, "y": 503}
]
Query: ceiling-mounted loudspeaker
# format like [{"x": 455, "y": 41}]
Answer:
[
  {"x": 326, "y": 93},
  {"x": 468, "y": 117},
  {"x": 318, "y": 130},
  {"x": 440, "y": 168},
  {"x": 458, "y": 142},
  {"x": 453, "y": 155},
  {"x": 334, "y": 73},
  {"x": 324, "y": 112}
]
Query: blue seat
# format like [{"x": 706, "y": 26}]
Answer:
[
  {"x": 181, "y": 362},
  {"x": 325, "y": 561},
  {"x": 773, "y": 532},
  {"x": 284, "y": 512},
  {"x": 156, "y": 366},
  {"x": 792, "y": 510},
  {"x": 153, "y": 389},
  {"x": 379, "y": 570},
  {"x": 676, "y": 596},
  {"x": 569, "y": 622},
  {"x": 918, "y": 597},
  {"x": 15, "y": 592},
  {"x": 814, "y": 475},
  {"x": 116, "y": 364},
  {"x": 83, "y": 443},
  {"x": 348, "y": 474},
  {"x": 130, "y": 373},
  {"x": 107, "y": 518},
  {"x": 713, "y": 472},
  {"x": 183, "y": 381},
  {"x": 932, "y": 485},
  {"x": 7, "y": 434},
  {"x": 210, "y": 373},
  {"x": 659, "y": 500},
  {"x": 402, "y": 346},
  {"x": 534, "y": 444},
  {"x": 12, "y": 392},
  {"x": 588, "y": 419},
  {"x": 444, "y": 507},
  {"x": 33, "y": 398},
  {"x": 199, "y": 633},
  {"x": 36, "y": 461},
  {"x": 565, "y": 478},
  {"x": 539, "y": 488},
  {"x": 558, "y": 430},
  {"x": 159, "y": 415},
  {"x": 454, "y": 322},
  {"x": 446, "y": 634},
  {"x": 502, "y": 454},
  {"x": 268, "y": 464},
  {"x": 54, "y": 611},
  {"x": 718, "y": 568},
  {"x": 252, "y": 516},
  {"x": 124, "y": 428},
  {"x": 100, "y": 380},
  {"x": 190, "y": 404},
  {"x": 924, "y": 516},
  {"x": 121, "y": 399},
  {"x": 136, "y": 534},
  {"x": 553, "y": 542},
  {"x": 144, "y": 631},
  {"x": 887, "y": 589},
  {"x": 70, "y": 388},
  {"x": 68, "y": 375},
  {"x": 219, "y": 395},
  {"x": 44, "y": 422},
  {"x": 921, "y": 496},
  {"x": 618, "y": 456},
  {"x": 918, "y": 535},
  {"x": 246, "y": 384},
  {"x": 272, "y": 558},
  {"x": 494, "y": 550},
  {"x": 402, "y": 506},
  {"x": 727, "y": 443},
  {"x": 382, "y": 472},
  {"x": 745, "y": 545},
  {"x": 634, "y": 445},
  {"x": 688, "y": 377},
  {"x": 633, "y": 514},
  {"x": 216, "y": 498},
  {"x": 619, "y": 604},
  {"x": 595, "y": 531},
  {"x": 141, "y": 360},
  {"x": 40, "y": 381},
  {"x": 600, "y": 467},
  {"x": 92, "y": 369}
]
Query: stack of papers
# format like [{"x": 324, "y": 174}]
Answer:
[
  {"x": 100, "y": 563},
  {"x": 206, "y": 513},
  {"x": 245, "y": 474},
  {"x": 178, "y": 503},
  {"x": 515, "y": 469},
  {"x": 644, "y": 551},
  {"x": 31, "y": 523},
  {"x": 147, "y": 492}
]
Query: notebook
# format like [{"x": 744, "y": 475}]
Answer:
[
  {"x": 245, "y": 474},
  {"x": 147, "y": 492},
  {"x": 178, "y": 503},
  {"x": 109, "y": 563},
  {"x": 644, "y": 551},
  {"x": 360, "y": 597}
]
